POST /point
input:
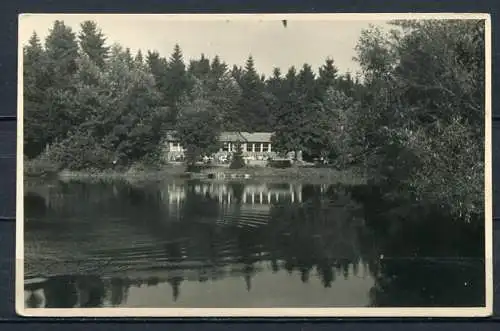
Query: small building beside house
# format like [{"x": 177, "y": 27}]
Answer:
[{"x": 255, "y": 146}]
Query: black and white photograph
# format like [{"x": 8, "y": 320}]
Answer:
[{"x": 254, "y": 165}]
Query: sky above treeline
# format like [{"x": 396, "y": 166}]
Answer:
[{"x": 233, "y": 38}]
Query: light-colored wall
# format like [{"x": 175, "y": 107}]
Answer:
[
  {"x": 175, "y": 147},
  {"x": 251, "y": 147},
  {"x": 252, "y": 150}
]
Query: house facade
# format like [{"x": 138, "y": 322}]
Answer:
[{"x": 255, "y": 146}]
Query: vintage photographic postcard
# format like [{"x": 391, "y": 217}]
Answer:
[{"x": 294, "y": 165}]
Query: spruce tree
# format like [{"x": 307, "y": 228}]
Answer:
[
  {"x": 224, "y": 94},
  {"x": 93, "y": 43},
  {"x": 139, "y": 60},
  {"x": 290, "y": 81},
  {"x": 157, "y": 65},
  {"x": 176, "y": 82},
  {"x": 128, "y": 57},
  {"x": 35, "y": 103},
  {"x": 253, "y": 110},
  {"x": 62, "y": 54},
  {"x": 237, "y": 73},
  {"x": 274, "y": 82},
  {"x": 218, "y": 69},
  {"x": 287, "y": 118},
  {"x": 33, "y": 52},
  {"x": 275, "y": 96},
  {"x": 200, "y": 68},
  {"x": 299, "y": 120},
  {"x": 327, "y": 76},
  {"x": 306, "y": 83}
]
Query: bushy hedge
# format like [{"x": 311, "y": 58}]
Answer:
[
  {"x": 79, "y": 152},
  {"x": 237, "y": 161},
  {"x": 40, "y": 166}
]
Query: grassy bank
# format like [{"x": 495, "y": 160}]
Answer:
[
  {"x": 153, "y": 174},
  {"x": 45, "y": 169},
  {"x": 295, "y": 174},
  {"x": 313, "y": 175}
]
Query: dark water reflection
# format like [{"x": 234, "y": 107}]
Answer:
[{"x": 208, "y": 244}]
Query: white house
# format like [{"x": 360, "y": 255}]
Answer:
[{"x": 255, "y": 145}]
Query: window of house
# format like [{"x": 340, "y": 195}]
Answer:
[
  {"x": 265, "y": 147},
  {"x": 225, "y": 147}
]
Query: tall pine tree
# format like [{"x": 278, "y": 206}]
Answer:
[
  {"x": 35, "y": 103},
  {"x": 93, "y": 43},
  {"x": 253, "y": 111},
  {"x": 218, "y": 69},
  {"x": 62, "y": 54},
  {"x": 327, "y": 77},
  {"x": 176, "y": 82},
  {"x": 200, "y": 68},
  {"x": 139, "y": 60},
  {"x": 306, "y": 83}
]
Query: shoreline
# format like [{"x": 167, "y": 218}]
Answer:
[{"x": 312, "y": 175}]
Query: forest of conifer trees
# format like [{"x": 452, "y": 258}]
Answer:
[{"x": 413, "y": 118}]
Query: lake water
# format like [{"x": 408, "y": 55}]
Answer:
[{"x": 243, "y": 244}]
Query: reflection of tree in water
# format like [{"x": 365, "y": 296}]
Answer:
[
  {"x": 91, "y": 291},
  {"x": 423, "y": 257},
  {"x": 68, "y": 292},
  {"x": 60, "y": 292},
  {"x": 428, "y": 283},
  {"x": 119, "y": 291},
  {"x": 246, "y": 252},
  {"x": 238, "y": 190},
  {"x": 199, "y": 205},
  {"x": 34, "y": 300},
  {"x": 319, "y": 233},
  {"x": 175, "y": 282},
  {"x": 304, "y": 236},
  {"x": 34, "y": 205}
]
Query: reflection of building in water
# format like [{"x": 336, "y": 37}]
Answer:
[
  {"x": 175, "y": 193},
  {"x": 251, "y": 195}
]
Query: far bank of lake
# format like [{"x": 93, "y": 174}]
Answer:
[{"x": 310, "y": 174}]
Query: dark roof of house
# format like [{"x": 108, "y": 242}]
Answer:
[
  {"x": 246, "y": 136},
  {"x": 258, "y": 137}
]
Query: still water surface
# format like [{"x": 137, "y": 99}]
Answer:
[{"x": 208, "y": 244}]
